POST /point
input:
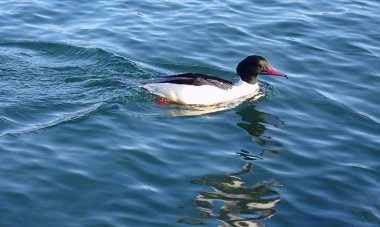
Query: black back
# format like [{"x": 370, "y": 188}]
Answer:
[{"x": 197, "y": 79}]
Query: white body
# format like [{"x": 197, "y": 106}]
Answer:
[{"x": 202, "y": 95}]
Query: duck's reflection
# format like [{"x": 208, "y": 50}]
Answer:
[
  {"x": 255, "y": 123},
  {"x": 235, "y": 204},
  {"x": 231, "y": 200}
]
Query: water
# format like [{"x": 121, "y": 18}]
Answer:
[{"x": 80, "y": 148}]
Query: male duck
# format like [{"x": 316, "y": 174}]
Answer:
[{"x": 200, "y": 89}]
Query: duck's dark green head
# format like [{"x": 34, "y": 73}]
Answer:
[{"x": 253, "y": 65}]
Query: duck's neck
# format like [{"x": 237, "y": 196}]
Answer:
[
  {"x": 252, "y": 79},
  {"x": 242, "y": 83}
]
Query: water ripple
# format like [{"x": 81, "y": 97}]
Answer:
[{"x": 63, "y": 118}]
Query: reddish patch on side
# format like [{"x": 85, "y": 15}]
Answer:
[{"x": 161, "y": 101}]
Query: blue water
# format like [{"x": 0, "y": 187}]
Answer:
[{"x": 78, "y": 147}]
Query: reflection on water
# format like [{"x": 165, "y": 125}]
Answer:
[
  {"x": 235, "y": 204},
  {"x": 255, "y": 123},
  {"x": 231, "y": 200}
]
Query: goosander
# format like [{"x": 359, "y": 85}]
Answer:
[{"x": 200, "y": 89}]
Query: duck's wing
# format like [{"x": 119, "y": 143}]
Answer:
[{"x": 196, "y": 79}]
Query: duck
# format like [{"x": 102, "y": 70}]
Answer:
[{"x": 205, "y": 90}]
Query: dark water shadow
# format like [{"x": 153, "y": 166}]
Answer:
[
  {"x": 232, "y": 199},
  {"x": 256, "y": 123},
  {"x": 233, "y": 202}
]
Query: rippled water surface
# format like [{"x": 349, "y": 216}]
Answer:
[{"x": 80, "y": 145}]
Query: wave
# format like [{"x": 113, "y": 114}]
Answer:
[
  {"x": 340, "y": 104},
  {"x": 55, "y": 54},
  {"x": 64, "y": 118}
]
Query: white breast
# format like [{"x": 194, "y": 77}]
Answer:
[{"x": 201, "y": 95}]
